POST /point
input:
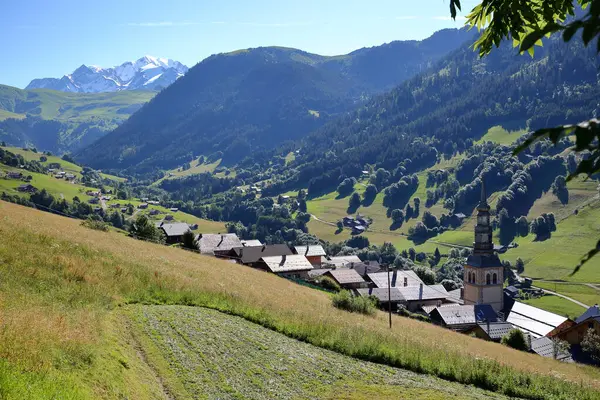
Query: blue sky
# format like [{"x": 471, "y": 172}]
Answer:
[{"x": 43, "y": 38}]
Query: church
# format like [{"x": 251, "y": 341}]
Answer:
[{"x": 483, "y": 273}]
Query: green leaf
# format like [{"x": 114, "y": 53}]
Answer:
[{"x": 529, "y": 41}]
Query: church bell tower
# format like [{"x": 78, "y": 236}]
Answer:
[{"x": 483, "y": 274}]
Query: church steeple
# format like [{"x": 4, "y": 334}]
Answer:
[{"x": 483, "y": 230}]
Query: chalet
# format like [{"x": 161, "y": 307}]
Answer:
[
  {"x": 313, "y": 252},
  {"x": 124, "y": 209},
  {"x": 340, "y": 261},
  {"x": 14, "y": 175},
  {"x": 153, "y": 212},
  {"x": 94, "y": 200},
  {"x": 358, "y": 229},
  {"x": 362, "y": 221},
  {"x": 94, "y": 193},
  {"x": 251, "y": 255},
  {"x": 210, "y": 243},
  {"x": 347, "y": 278},
  {"x": 288, "y": 266},
  {"x": 143, "y": 206},
  {"x": 106, "y": 198},
  {"x": 462, "y": 317},
  {"x": 69, "y": 177},
  {"x": 168, "y": 217},
  {"x": 173, "y": 209},
  {"x": 460, "y": 216},
  {"x": 546, "y": 347},
  {"x": 411, "y": 297},
  {"x": 536, "y": 321},
  {"x": 397, "y": 278},
  {"x": 348, "y": 220},
  {"x": 511, "y": 292},
  {"x": 251, "y": 243},
  {"x": 153, "y": 202},
  {"x": 27, "y": 188},
  {"x": 490, "y": 331},
  {"x": 174, "y": 232},
  {"x": 60, "y": 174},
  {"x": 588, "y": 320},
  {"x": 194, "y": 227},
  {"x": 365, "y": 268}
]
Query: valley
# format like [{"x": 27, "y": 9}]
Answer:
[{"x": 414, "y": 219}]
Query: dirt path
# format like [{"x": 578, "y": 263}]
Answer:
[{"x": 563, "y": 296}]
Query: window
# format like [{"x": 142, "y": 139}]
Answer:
[
  {"x": 487, "y": 279},
  {"x": 469, "y": 277},
  {"x": 494, "y": 278}
]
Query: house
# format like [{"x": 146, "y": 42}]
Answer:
[
  {"x": 251, "y": 255},
  {"x": 546, "y": 347},
  {"x": 358, "y": 229},
  {"x": 490, "y": 331},
  {"x": 536, "y": 321},
  {"x": 288, "y": 266},
  {"x": 456, "y": 296},
  {"x": 174, "y": 232},
  {"x": 340, "y": 261},
  {"x": 347, "y": 278},
  {"x": 69, "y": 177},
  {"x": 173, "y": 209},
  {"x": 123, "y": 209},
  {"x": 511, "y": 292},
  {"x": 153, "y": 212},
  {"x": 397, "y": 278},
  {"x": 365, "y": 268},
  {"x": 144, "y": 199},
  {"x": 209, "y": 243},
  {"x": 143, "y": 206},
  {"x": 27, "y": 188},
  {"x": 362, "y": 221},
  {"x": 94, "y": 193},
  {"x": 14, "y": 175},
  {"x": 153, "y": 202},
  {"x": 168, "y": 217},
  {"x": 251, "y": 243},
  {"x": 94, "y": 200},
  {"x": 312, "y": 252},
  {"x": 462, "y": 317},
  {"x": 411, "y": 297},
  {"x": 460, "y": 216},
  {"x": 590, "y": 319},
  {"x": 348, "y": 220}
]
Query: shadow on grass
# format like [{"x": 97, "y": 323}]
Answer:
[{"x": 395, "y": 225}]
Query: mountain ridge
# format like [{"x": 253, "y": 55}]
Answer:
[{"x": 146, "y": 73}]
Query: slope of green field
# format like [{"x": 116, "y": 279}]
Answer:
[
  {"x": 498, "y": 134},
  {"x": 74, "y": 107},
  {"x": 557, "y": 305},
  {"x": 66, "y": 334},
  {"x": 586, "y": 294},
  {"x": 209, "y": 354}
]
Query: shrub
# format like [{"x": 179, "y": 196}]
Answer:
[
  {"x": 327, "y": 283},
  {"x": 358, "y": 304},
  {"x": 95, "y": 224},
  {"x": 516, "y": 340}
]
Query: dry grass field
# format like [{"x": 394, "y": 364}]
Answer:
[{"x": 63, "y": 333}]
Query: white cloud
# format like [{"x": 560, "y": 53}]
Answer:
[
  {"x": 449, "y": 18},
  {"x": 406, "y": 17},
  {"x": 161, "y": 24}
]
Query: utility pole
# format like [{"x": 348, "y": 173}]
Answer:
[{"x": 389, "y": 296}]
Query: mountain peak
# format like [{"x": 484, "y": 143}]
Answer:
[{"x": 146, "y": 73}]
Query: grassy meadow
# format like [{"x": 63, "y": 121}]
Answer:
[
  {"x": 499, "y": 135},
  {"x": 580, "y": 292},
  {"x": 65, "y": 331},
  {"x": 557, "y": 305}
]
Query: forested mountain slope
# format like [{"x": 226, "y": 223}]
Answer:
[
  {"x": 236, "y": 103},
  {"x": 443, "y": 110},
  {"x": 59, "y": 122}
]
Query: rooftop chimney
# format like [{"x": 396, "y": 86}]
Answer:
[
  {"x": 421, "y": 291},
  {"x": 306, "y": 253},
  {"x": 462, "y": 292},
  {"x": 394, "y": 276},
  {"x": 221, "y": 241},
  {"x": 405, "y": 281},
  {"x": 283, "y": 260}
]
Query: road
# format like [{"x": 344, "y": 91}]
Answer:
[{"x": 563, "y": 296}]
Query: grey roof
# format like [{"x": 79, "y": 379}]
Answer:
[
  {"x": 211, "y": 242},
  {"x": 380, "y": 279},
  {"x": 251, "y": 242},
  {"x": 433, "y": 292},
  {"x": 544, "y": 346},
  {"x": 454, "y": 295},
  {"x": 316, "y": 272},
  {"x": 252, "y": 254},
  {"x": 591, "y": 312},
  {"x": 174, "y": 229},
  {"x": 456, "y": 314},
  {"x": 346, "y": 276},
  {"x": 312, "y": 250},
  {"x": 534, "y": 320},
  {"x": 382, "y": 294},
  {"x": 511, "y": 289},
  {"x": 342, "y": 261},
  {"x": 364, "y": 269},
  {"x": 496, "y": 330},
  {"x": 484, "y": 260},
  {"x": 287, "y": 263}
]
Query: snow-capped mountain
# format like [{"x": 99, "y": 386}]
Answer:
[{"x": 147, "y": 73}]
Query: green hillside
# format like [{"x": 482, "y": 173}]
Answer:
[
  {"x": 84, "y": 316},
  {"x": 72, "y": 119}
]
